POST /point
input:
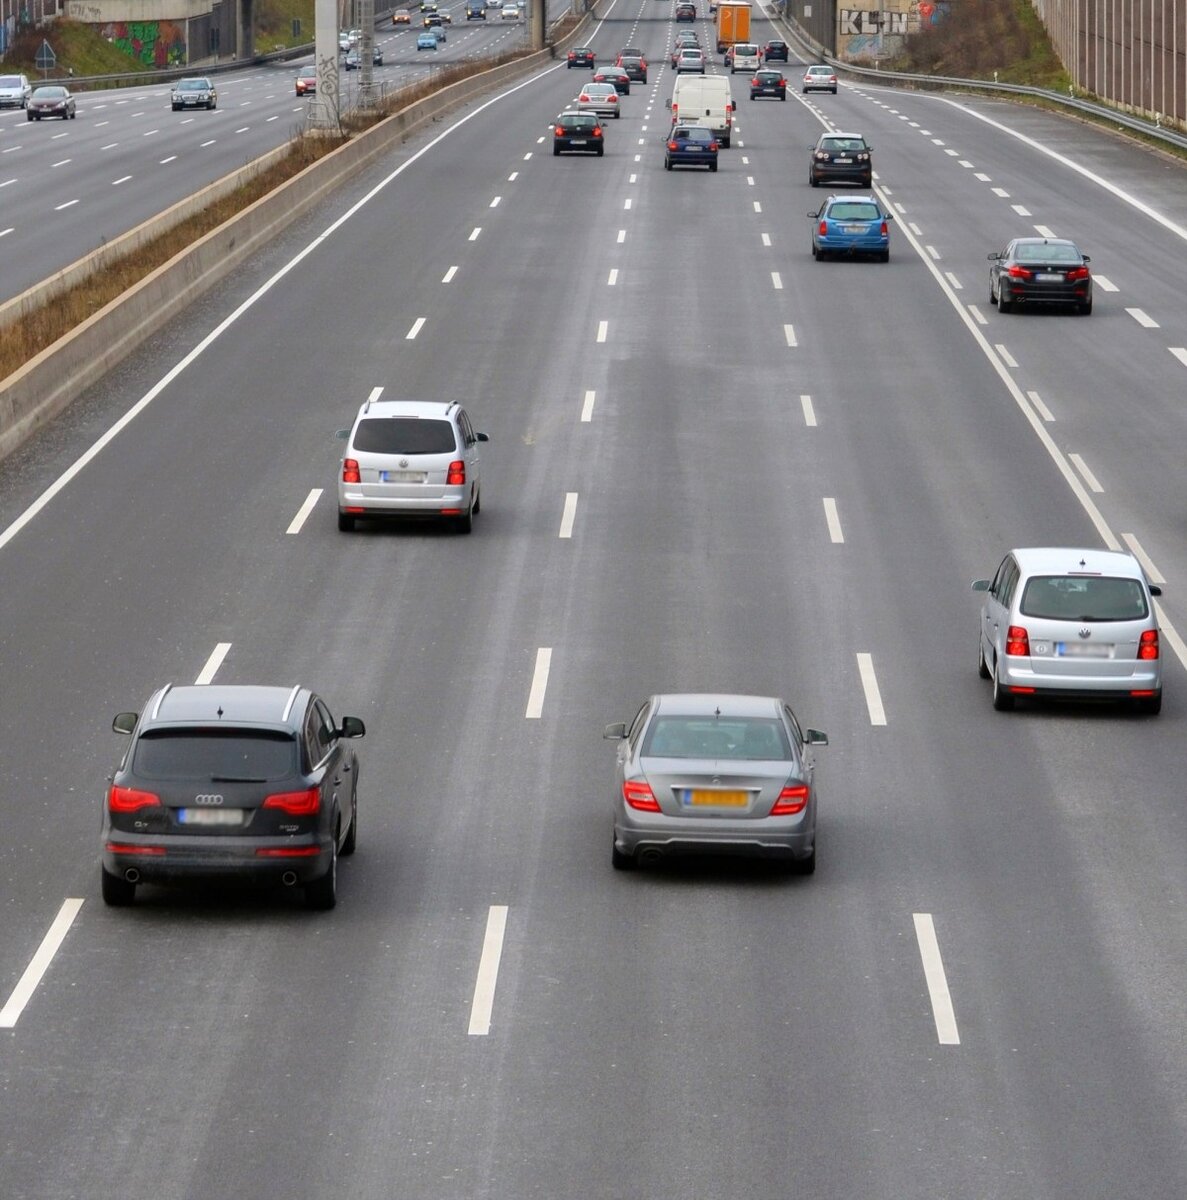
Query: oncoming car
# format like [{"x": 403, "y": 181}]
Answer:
[
  {"x": 402, "y": 16},
  {"x": 427, "y": 40},
  {"x": 509, "y": 12},
  {"x": 1073, "y": 624},
  {"x": 198, "y": 92},
  {"x": 238, "y": 781},
  {"x": 50, "y": 100},
  {"x": 307, "y": 81},
  {"x": 714, "y": 773},
  {"x": 1036, "y": 270},
  {"x": 851, "y": 225}
]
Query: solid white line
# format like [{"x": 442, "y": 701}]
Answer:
[
  {"x": 789, "y": 334},
  {"x": 488, "y": 970},
  {"x": 1152, "y": 572},
  {"x": 809, "y": 411},
  {"x": 1145, "y": 321},
  {"x": 834, "y": 521},
  {"x": 1104, "y": 283},
  {"x": 869, "y": 684},
  {"x": 304, "y": 511},
  {"x": 539, "y": 683},
  {"x": 776, "y": 281},
  {"x": 417, "y": 326},
  {"x": 495, "y": 202},
  {"x": 27, "y": 984},
  {"x": 1089, "y": 478},
  {"x": 587, "y": 406},
  {"x": 603, "y": 329},
  {"x": 1005, "y": 355},
  {"x": 213, "y": 663},
  {"x": 1180, "y": 353},
  {"x": 956, "y": 284},
  {"x": 937, "y": 981},
  {"x": 569, "y": 515},
  {"x": 474, "y": 233},
  {"x": 613, "y": 277},
  {"x": 1040, "y": 407},
  {"x": 449, "y": 275}
]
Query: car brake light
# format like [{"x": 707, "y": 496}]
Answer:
[
  {"x": 597, "y": 131},
  {"x": 885, "y": 229},
  {"x": 1077, "y": 273},
  {"x": 457, "y": 472},
  {"x": 122, "y": 799},
  {"x": 713, "y": 146},
  {"x": 823, "y": 229},
  {"x": 296, "y": 804},
  {"x": 1017, "y": 272},
  {"x": 559, "y": 131},
  {"x": 288, "y": 851},
  {"x": 791, "y": 800},
  {"x": 672, "y": 146},
  {"x": 1148, "y": 646},
  {"x": 639, "y": 795},
  {"x": 123, "y": 848},
  {"x": 350, "y": 471},
  {"x": 1017, "y": 642}
]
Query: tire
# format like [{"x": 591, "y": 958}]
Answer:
[
  {"x": 813, "y": 181},
  {"x": 992, "y": 295},
  {"x": 1151, "y": 707},
  {"x": 28, "y": 116},
  {"x": 617, "y": 114},
  {"x": 322, "y": 894},
  {"x": 667, "y": 164},
  {"x": 173, "y": 107},
  {"x": 982, "y": 669},
  {"x": 713, "y": 167},
  {"x": 465, "y": 523},
  {"x": 620, "y": 861},
  {"x": 806, "y": 866},
  {"x": 833, "y": 90},
  {"x": 345, "y": 522},
  {"x": 815, "y": 252},
  {"x": 74, "y": 114},
  {"x": 556, "y": 152},
  {"x": 601, "y": 153},
  {"x": 725, "y": 143},
  {"x": 117, "y": 892},
  {"x": 352, "y": 834},
  {"x": 1085, "y": 310},
  {"x": 884, "y": 256},
  {"x": 867, "y": 182},
  {"x": 1003, "y": 701},
  {"x": 1003, "y": 305}
]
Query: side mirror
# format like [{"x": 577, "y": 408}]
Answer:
[
  {"x": 482, "y": 437},
  {"x": 341, "y": 434},
  {"x": 1155, "y": 590},
  {"x": 352, "y": 727},
  {"x": 813, "y": 215},
  {"x": 980, "y": 585},
  {"x": 125, "y": 722},
  {"x": 668, "y": 103},
  {"x": 888, "y": 216},
  {"x": 993, "y": 257},
  {"x": 1087, "y": 259},
  {"x": 615, "y": 732},
  {"x": 814, "y": 737}
]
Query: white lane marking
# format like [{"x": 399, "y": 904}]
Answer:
[
  {"x": 1001, "y": 191},
  {"x": 209, "y": 143},
  {"x": 1082, "y": 467},
  {"x": 978, "y": 315},
  {"x": 951, "y": 153},
  {"x": 789, "y": 334},
  {"x": 1044, "y": 231},
  {"x": 933, "y": 252},
  {"x": 7, "y": 182},
  {"x": 612, "y": 279},
  {"x": 1171, "y": 634},
  {"x": 1180, "y": 353},
  {"x": 68, "y": 204},
  {"x": 276, "y": 118},
  {"x": 745, "y": 160},
  {"x": 634, "y": 178},
  {"x": 6, "y": 232},
  {"x": 304, "y": 511},
  {"x": 417, "y": 326},
  {"x": 809, "y": 411},
  {"x": 374, "y": 394},
  {"x": 766, "y": 239},
  {"x": 964, "y": 162},
  {"x": 1040, "y": 407},
  {"x": 914, "y": 229},
  {"x": 902, "y": 208},
  {"x": 488, "y": 970},
  {"x": 1021, "y": 210},
  {"x": 627, "y": 203},
  {"x": 449, "y": 274},
  {"x": 937, "y": 981},
  {"x": 980, "y": 175},
  {"x": 62, "y": 163},
  {"x": 937, "y": 142},
  {"x": 539, "y": 683},
  {"x": 639, "y": 157},
  {"x": 776, "y": 281},
  {"x": 39, "y": 964},
  {"x": 587, "y": 406},
  {"x": 603, "y": 329},
  {"x": 833, "y": 519},
  {"x": 750, "y": 181},
  {"x": 213, "y": 663},
  {"x": 12, "y": 148},
  {"x": 121, "y": 179},
  {"x": 1152, "y": 572},
  {"x": 869, "y": 685},
  {"x": 527, "y": 156},
  {"x": 1006, "y": 356},
  {"x": 513, "y": 177},
  {"x": 495, "y": 202},
  {"x": 1145, "y": 321},
  {"x": 956, "y": 284},
  {"x": 757, "y": 207},
  {"x": 569, "y": 515},
  {"x": 475, "y": 232},
  {"x": 621, "y": 236},
  {"x": 166, "y": 161},
  {"x": 243, "y": 130}
]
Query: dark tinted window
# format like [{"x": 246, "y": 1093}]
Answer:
[
  {"x": 215, "y": 754},
  {"x": 1061, "y": 598},
  {"x": 717, "y": 737},
  {"x": 849, "y": 211},
  {"x": 405, "y": 435},
  {"x": 693, "y": 135}
]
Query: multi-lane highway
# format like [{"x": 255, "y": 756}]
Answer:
[
  {"x": 713, "y": 464},
  {"x": 67, "y": 187}
]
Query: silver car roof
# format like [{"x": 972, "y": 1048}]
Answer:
[
  {"x": 1063, "y": 560},
  {"x": 706, "y": 704}
]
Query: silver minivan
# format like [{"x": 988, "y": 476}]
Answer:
[
  {"x": 410, "y": 458},
  {"x": 1070, "y": 624}
]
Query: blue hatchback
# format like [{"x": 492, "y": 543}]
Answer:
[
  {"x": 426, "y": 40},
  {"x": 691, "y": 146},
  {"x": 851, "y": 225}
]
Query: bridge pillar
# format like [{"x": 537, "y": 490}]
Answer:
[{"x": 245, "y": 39}]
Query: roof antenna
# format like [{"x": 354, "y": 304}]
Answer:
[
  {"x": 717, "y": 711},
  {"x": 220, "y": 710}
]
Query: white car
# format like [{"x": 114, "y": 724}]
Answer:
[
  {"x": 600, "y": 98},
  {"x": 509, "y": 12},
  {"x": 14, "y": 91}
]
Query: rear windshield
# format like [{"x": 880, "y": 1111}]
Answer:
[
  {"x": 1061, "y": 598},
  {"x": 404, "y": 435},
  {"x": 843, "y": 144},
  {"x": 854, "y": 212},
  {"x": 585, "y": 121},
  {"x": 227, "y": 754},
  {"x": 717, "y": 737},
  {"x": 693, "y": 135},
  {"x": 1046, "y": 252}
]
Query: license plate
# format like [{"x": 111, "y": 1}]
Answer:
[
  {"x": 1082, "y": 650},
  {"x": 577, "y": 141},
  {"x": 1048, "y": 277},
  {"x": 692, "y": 149},
  {"x": 403, "y": 476},
  {"x": 210, "y": 816},
  {"x": 854, "y": 228},
  {"x": 844, "y": 161},
  {"x": 707, "y": 798}
]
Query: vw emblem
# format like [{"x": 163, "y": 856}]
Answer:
[
  {"x": 403, "y": 462},
  {"x": 208, "y": 800},
  {"x": 1085, "y": 633}
]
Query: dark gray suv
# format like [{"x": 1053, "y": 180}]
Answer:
[{"x": 251, "y": 782}]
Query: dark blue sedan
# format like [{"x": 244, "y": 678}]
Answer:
[
  {"x": 691, "y": 146},
  {"x": 851, "y": 225}
]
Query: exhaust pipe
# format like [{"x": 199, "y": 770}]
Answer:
[
  {"x": 650, "y": 855},
  {"x": 289, "y": 878},
  {"x": 132, "y": 875}
]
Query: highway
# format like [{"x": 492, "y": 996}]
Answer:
[
  {"x": 67, "y": 187},
  {"x": 713, "y": 464}
]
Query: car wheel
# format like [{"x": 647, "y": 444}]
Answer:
[
  {"x": 28, "y": 116},
  {"x": 1085, "y": 310},
  {"x": 556, "y": 152},
  {"x": 884, "y": 256},
  {"x": 322, "y": 894},
  {"x": 601, "y": 151},
  {"x": 117, "y": 892},
  {"x": 815, "y": 251},
  {"x": 982, "y": 669},
  {"x": 784, "y": 96},
  {"x": 617, "y": 114},
  {"x": 352, "y": 834},
  {"x": 173, "y": 107},
  {"x": 1003, "y": 701},
  {"x": 73, "y": 115},
  {"x": 465, "y": 523},
  {"x": 806, "y": 866},
  {"x": 833, "y": 90},
  {"x": 212, "y": 106},
  {"x": 867, "y": 182},
  {"x": 813, "y": 181},
  {"x": 725, "y": 143},
  {"x": 1003, "y": 305},
  {"x": 345, "y": 522},
  {"x": 1151, "y": 707},
  {"x": 712, "y": 166},
  {"x": 620, "y": 861},
  {"x": 992, "y": 294},
  {"x": 667, "y": 164}
]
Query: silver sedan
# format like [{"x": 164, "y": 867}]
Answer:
[{"x": 709, "y": 773}]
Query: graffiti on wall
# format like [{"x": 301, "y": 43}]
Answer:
[
  {"x": 154, "y": 43},
  {"x": 878, "y": 32}
]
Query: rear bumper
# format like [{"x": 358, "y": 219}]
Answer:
[
  {"x": 169, "y": 859},
  {"x": 765, "y": 837},
  {"x": 1113, "y": 687},
  {"x": 1014, "y": 293}
]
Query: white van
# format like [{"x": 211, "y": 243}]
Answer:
[
  {"x": 704, "y": 100},
  {"x": 744, "y": 56}
]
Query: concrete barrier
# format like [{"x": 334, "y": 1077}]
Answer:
[{"x": 47, "y": 384}]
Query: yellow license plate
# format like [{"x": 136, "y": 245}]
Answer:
[{"x": 700, "y": 797}]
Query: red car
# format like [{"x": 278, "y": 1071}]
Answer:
[{"x": 306, "y": 81}]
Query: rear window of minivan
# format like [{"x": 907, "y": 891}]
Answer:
[
  {"x": 1076, "y": 598},
  {"x": 404, "y": 435}
]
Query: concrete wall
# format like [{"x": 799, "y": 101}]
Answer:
[{"x": 103, "y": 12}]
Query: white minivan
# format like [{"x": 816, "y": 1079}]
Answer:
[
  {"x": 704, "y": 100},
  {"x": 744, "y": 57}
]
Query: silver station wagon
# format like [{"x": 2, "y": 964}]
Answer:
[{"x": 1070, "y": 624}]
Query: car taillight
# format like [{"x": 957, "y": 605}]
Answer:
[
  {"x": 123, "y": 799},
  {"x": 672, "y": 146},
  {"x": 288, "y": 851},
  {"x": 822, "y": 229},
  {"x": 296, "y": 804},
  {"x": 885, "y": 229},
  {"x": 1148, "y": 646},
  {"x": 350, "y": 471},
  {"x": 1017, "y": 642},
  {"x": 754, "y": 82},
  {"x": 457, "y": 472},
  {"x": 559, "y": 131},
  {"x": 122, "y": 848},
  {"x": 598, "y": 131},
  {"x": 791, "y": 800},
  {"x": 640, "y": 796},
  {"x": 1017, "y": 272},
  {"x": 1077, "y": 273},
  {"x": 713, "y": 146}
]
